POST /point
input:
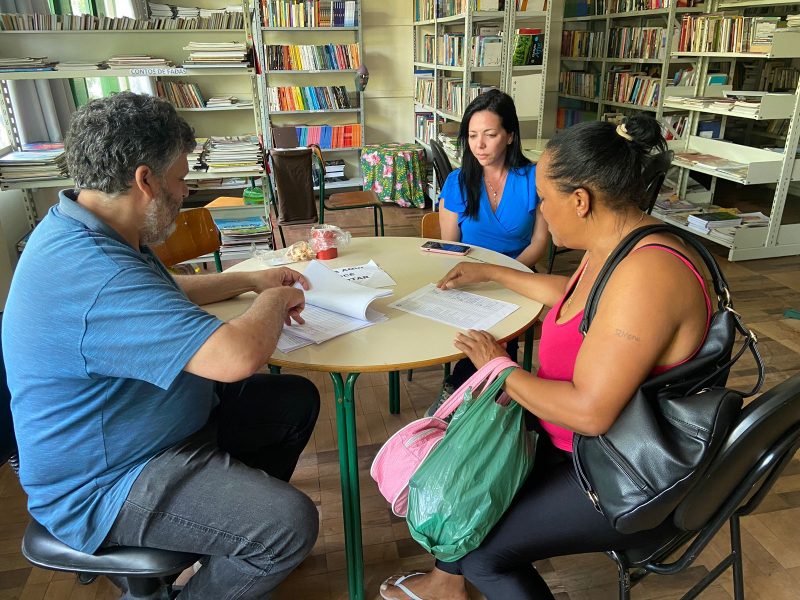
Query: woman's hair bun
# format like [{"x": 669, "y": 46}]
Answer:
[{"x": 646, "y": 133}]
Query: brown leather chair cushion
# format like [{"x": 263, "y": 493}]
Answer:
[{"x": 294, "y": 187}]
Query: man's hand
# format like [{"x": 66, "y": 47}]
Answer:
[
  {"x": 464, "y": 273},
  {"x": 479, "y": 346},
  {"x": 294, "y": 302},
  {"x": 279, "y": 277}
]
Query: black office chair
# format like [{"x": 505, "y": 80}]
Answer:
[
  {"x": 762, "y": 442},
  {"x": 654, "y": 173},
  {"x": 146, "y": 570},
  {"x": 441, "y": 163}
]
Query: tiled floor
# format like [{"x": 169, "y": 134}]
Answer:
[{"x": 762, "y": 290}]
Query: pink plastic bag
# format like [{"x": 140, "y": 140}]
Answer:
[{"x": 401, "y": 455}]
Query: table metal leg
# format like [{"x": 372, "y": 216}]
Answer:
[
  {"x": 274, "y": 370},
  {"x": 348, "y": 471},
  {"x": 394, "y": 392},
  {"x": 527, "y": 354}
]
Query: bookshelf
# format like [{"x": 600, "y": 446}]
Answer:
[
  {"x": 97, "y": 41},
  {"x": 462, "y": 47},
  {"x": 616, "y": 57},
  {"x": 310, "y": 54},
  {"x": 745, "y": 128}
]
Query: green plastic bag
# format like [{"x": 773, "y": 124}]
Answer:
[{"x": 468, "y": 481}]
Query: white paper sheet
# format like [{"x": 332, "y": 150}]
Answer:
[
  {"x": 370, "y": 275},
  {"x": 330, "y": 291},
  {"x": 455, "y": 307}
]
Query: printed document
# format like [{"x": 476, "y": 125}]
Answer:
[
  {"x": 334, "y": 306},
  {"x": 455, "y": 307}
]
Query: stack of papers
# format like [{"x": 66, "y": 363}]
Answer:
[
  {"x": 716, "y": 163},
  {"x": 216, "y": 54},
  {"x": 223, "y": 101},
  {"x": 26, "y": 64},
  {"x": 241, "y": 236},
  {"x": 334, "y": 306},
  {"x": 33, "y": 165},
  {"x": 713, "y": 220},
  {"x": 232, "y": 154},
  {"x": 128, "y": 62}
]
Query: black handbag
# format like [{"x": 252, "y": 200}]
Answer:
[{"x": 657, "y": 449}]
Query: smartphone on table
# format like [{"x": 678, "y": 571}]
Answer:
[{"x": 446, "y": 248}]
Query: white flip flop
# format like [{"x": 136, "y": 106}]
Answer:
[{"x": 399, "y": 585}]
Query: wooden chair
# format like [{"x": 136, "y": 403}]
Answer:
[
  {"x": 345, "y": 200},
  {"x": 195, "y": 235},
  {"x": 429, "y": 228}
]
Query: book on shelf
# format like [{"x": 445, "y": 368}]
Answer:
[
  {"x": 710, "y": 161},
  {"x": 713, "y": 220}
]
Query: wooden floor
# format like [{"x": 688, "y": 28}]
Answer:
[{"x": 762, "y": 291}]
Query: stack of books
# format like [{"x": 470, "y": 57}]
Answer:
[
  {"x": 128, "y": 62},
  {"x": 717, "y": 163},
  {"x": 713, "y": 220},
  {"x": 227, "y": 101},
  {"x": 33, "y": 165},
  {"x": 161, "y": 11},
  {"x": 78, "y": 66},
  {"x": 334, "y": 171},
  {"x": 180, "y": 94},
  {"x": 26, "y": 64},
  {"x": 216, "y": 54},
  {"x": 240, "y": 236},
  {"x": 233, "y": 154}
]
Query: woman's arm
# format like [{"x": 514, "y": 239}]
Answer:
[
  {"x": 547, "y": 289},
  {"x": 448, "y": 223},
  {"x": 538, "y": 246},
  {"x": 621, "y": 348}
]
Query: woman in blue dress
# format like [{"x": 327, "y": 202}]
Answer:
[{"x": 491, "y": 200}]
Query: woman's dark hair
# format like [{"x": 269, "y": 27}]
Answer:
[
  {"x": 469, "y": 178},
  {"x": 599, "y": 158}
]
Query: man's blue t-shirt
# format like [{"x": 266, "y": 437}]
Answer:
[
  {"x": 508, "y": 230},
  {"x": 95, "y": 338}
]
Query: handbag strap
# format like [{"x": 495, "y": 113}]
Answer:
[
  {"x": 486, "y": 374},
  {"x": 724, "y": 300}
]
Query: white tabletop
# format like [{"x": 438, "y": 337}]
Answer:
[{"x": 405, "y": 340}]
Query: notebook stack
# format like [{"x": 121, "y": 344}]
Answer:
[
  {"x": 33, "y": 165},
  {"x": 129, "y": 62},
  {"x": 216, "y": 54},
  {"x": 26, "y": 64},
  {"x": 713, "y": 220},
  {"x": 240, "y": 236},
  {"x": 233, "y": 154},
  {"x": 227, "y": 102}
]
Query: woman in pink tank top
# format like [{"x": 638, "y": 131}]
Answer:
[{"x": 653, "y": 315}]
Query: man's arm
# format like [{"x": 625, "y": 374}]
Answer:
[
  {"x": 205, "y": 289},
  {"x": 243, "y": 345}
]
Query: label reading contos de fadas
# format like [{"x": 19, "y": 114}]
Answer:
[{"x": 150, "y": 71}]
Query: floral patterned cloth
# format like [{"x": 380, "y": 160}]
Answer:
[{"x": 395, "y": 172}]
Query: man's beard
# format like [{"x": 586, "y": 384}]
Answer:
[{"x": 159, "y": 221}]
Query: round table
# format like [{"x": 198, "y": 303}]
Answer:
[
  {"x": 404, "y": 341},
  {"x": 395, "y": 172}
]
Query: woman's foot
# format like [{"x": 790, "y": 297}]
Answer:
[{"x": 436, "y": 585}]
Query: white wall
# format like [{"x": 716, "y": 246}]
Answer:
[{"x": 389, "y": 97}]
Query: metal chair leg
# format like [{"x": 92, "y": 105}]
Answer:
[
  {"x": 375, "y": 219},
  {"x": 380, "y": 214},
  {"x": 394, "y": 392},
  {"x": 736, "y": 550}
]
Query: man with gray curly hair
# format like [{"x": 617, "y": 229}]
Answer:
[{"x": 140, "y": 418}]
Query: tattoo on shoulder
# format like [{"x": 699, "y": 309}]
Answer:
[{"x": 627, "y": 335}]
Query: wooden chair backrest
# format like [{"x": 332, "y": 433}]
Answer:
[
  {"x": 195, "y": 235},
  {"x": 430, "y": 226}
]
